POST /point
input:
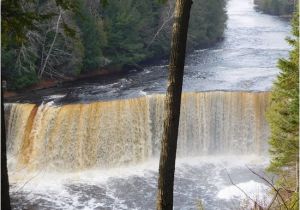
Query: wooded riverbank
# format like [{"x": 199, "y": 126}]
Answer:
[{"x": 63, "y": 43}]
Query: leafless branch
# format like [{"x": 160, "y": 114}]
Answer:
[
  {"x": 168, "y": 19},
  {"x": 254, "y": 201},
  {"x": 53, "y": 42},
  {"x": 271, "y": 185},
  {"x": 272, "y": 201}
]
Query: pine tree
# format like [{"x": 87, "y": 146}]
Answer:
[
  {"x": 92, "y": 37},
  {"x": 283, "y": 116}
]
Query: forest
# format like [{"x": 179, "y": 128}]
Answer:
[{"x": 64, "y": 41}]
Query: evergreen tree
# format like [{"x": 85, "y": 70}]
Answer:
[
  {"x": 283, "y": 116},
  {"x": 92, "y": 36},
  {"x": 62, "y": 38},
  {"x": 124, "y": 27},
  {"x": 207, "y": 22}
]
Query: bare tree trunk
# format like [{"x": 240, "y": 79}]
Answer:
[
  {"x": 51, "y": 47},
  {"x": 5, "y": 200},
  {"x": 172, "y": 107}
]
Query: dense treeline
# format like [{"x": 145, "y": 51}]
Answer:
[
  {"x": 276, "y": 7},
  {"x": 283, "y": 117},
  {"x": 64, "y": 42}
]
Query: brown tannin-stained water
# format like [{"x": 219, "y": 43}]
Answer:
[{"x": 95, "y": 144}]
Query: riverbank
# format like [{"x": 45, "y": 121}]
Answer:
[
  {"x": 281, "y": 8},
  {"x": 108, "y": 38},
  {"x": 105, "y": 73},
  {"x": 50, "y": 83}
]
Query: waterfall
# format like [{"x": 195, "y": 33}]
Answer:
[{"x": 112, "y": 133}]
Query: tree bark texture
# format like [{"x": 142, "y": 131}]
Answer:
[
  {"x": 5, "y": 200},
  {"x": 172, "y": 106}
]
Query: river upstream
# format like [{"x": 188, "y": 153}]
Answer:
[{"x": 96, "y": 145}]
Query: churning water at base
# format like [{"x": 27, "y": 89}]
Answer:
[{"x": 202, "y": 179}]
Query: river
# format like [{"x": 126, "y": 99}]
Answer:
[
  {"x": 245, "y": 60},
  {"x": 56, "y": 160}
]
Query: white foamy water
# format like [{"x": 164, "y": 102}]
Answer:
[
  {"x": 247, "y": 191},
  {"x": 134, "y": 187}
]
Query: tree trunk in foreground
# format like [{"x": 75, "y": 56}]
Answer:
[
  {"x": 172, "y": 105},
  {"x": 5, "y": 200}
]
